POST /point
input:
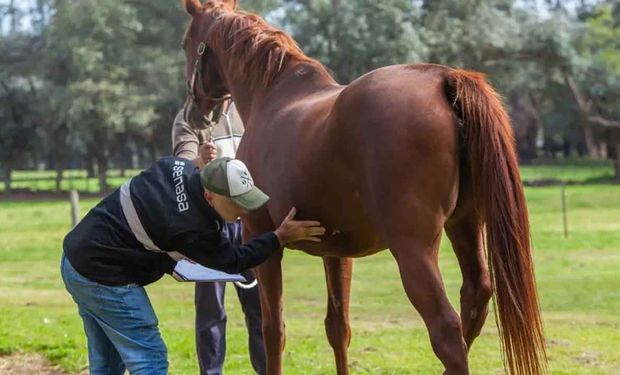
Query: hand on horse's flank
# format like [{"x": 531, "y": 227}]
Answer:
[{"x": 292, "y": 230}]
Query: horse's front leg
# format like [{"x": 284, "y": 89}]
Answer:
[
  {"x": 269, "y": 276},
  {"x": 338, "y": 275}
]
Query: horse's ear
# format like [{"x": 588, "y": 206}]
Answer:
[{"x": 191, "y": 6}]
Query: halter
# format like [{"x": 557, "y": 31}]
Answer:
[{"x": 191, "y": 111}]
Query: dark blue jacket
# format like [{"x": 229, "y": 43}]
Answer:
[{"x": 135, "y": 234}]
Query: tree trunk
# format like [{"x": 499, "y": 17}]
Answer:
[
  {"x": 125, "y": 154},
  {"x": 59, "y": 172},
  {"x": 614, "y": 152},
  {"x": 102, "y": 171},
  {"x": 588, "y": 136},
  {"x": 90, "y": 167},
  {"x": 152, "y": 151},
  {"x": 526, "y": 125},
  {"x": 584, "y": 114},
  {"x": 7, "y": 179}
]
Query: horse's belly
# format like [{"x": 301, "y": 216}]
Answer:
[
  {"x": 328, "y": 248},
  {"x": 338, "y": 205},
  {"x": 339, "y": 241}
]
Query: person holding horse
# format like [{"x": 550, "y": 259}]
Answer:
[
  {"x": 172, "y": 210},
  {"x": 223, "y": 137}
]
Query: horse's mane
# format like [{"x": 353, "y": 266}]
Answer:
[{"x": 259, "y": 50}]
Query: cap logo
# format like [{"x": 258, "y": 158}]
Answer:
[
  {"x": 239, "y": 178},
  {"x": 247, "y": 180}
]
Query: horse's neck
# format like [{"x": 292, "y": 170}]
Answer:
[{"x": 297, "y": 80}]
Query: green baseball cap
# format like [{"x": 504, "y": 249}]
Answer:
[{"x": 231, "y": 178}]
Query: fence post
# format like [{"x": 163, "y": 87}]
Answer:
[
  {"x": 75, "y": 209},
  {"x": 564, "y": 213}
]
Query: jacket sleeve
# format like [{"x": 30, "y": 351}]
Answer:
[
  {"x": 185, "y": 139},
  {"x": 213, "y": 250}
]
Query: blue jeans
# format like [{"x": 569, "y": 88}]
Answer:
[{"x": 120, "y": 325}]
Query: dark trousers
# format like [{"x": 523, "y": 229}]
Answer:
[{"x": 211, "y": 321}]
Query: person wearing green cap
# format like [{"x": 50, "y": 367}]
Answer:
[{"x": 169, "y": 212}]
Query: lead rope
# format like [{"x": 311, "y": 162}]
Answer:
[{"x": 247, "y": 286}]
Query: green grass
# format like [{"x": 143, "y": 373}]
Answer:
[
  {"x": 574, "y": 171},
  {"x": 578, "y": 278}
]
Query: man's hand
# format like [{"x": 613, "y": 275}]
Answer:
[
  {"x": 292, "y": 230},
  {"x": 207, "y": 152}
]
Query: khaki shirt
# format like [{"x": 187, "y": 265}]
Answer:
[{"x": 227, "y": 133}]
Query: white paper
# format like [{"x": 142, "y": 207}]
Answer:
[{"x": 186, "y": 270}]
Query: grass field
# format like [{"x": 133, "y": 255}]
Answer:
[
  {"x": 578, "y": 278},
  {"x": 571, "y": 171}
]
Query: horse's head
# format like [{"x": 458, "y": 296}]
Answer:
[
  {"x": 206, "y": 87},
  {"x": 233, "y": 50}
]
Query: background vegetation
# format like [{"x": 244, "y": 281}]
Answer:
[{"x": 95, "y": 84}]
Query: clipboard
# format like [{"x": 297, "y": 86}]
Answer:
[{"x": 186, "y": 270}]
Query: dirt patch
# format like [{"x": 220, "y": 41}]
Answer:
[
  {"x": 28, "y": 364},
  {"x": 592, "y": 359}
]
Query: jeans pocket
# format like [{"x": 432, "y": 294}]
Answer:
[{"x": 71, "y": 276}]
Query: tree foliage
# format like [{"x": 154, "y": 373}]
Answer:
[{"x": 97, "y": 83}]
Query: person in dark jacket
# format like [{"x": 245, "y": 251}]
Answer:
[{"x": 134, "y": 236}]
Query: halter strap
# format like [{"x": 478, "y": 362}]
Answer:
[{"x": 191, "y": 111}]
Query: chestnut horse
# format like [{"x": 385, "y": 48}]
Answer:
[{"x": 388, "y": 161}]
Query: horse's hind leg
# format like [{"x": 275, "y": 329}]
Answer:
[
  {"x": 465, "y": 235},
  {"x": 338, "y": 274},
  {"x": 419, "y": 272}
]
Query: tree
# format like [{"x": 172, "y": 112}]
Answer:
[
  {"x": 353, "y": 37},
  {"x": 19, "y": 52},
  {"x": 601, "y": 81},
  {"x": 17, "y": 131},
  {"x": 107, "y": 101}
]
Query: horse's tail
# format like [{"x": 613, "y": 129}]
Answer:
[{"x": 489, "y": 160}]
